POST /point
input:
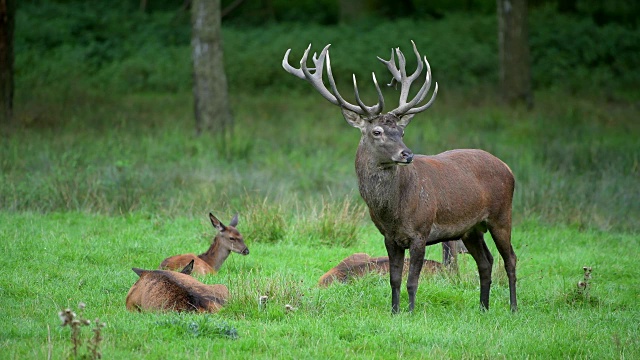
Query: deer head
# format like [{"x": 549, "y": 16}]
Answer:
[
  {"x": 381, "y": 133},
  {"x": 228, "y": 237}
]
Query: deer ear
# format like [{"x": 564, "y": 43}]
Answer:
[
  {"x": 138, "y": 271},
  {"x": 217, "y": 223},
  {"x": 353, "y": 118},
  {"x": 234, "y": 221},
  {"x": 404, "y": 120},
  {"x": 188, "y": 269}
]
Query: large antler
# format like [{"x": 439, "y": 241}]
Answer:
[
  {"x": 315, "y": 79},
  {"x": 400, "y": 76}
]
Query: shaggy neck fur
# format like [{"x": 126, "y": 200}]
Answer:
[{"x": 379, "y": 185}]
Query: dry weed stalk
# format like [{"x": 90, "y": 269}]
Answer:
[{"x": 69, "y": 318}]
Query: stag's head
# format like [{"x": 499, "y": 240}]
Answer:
[{"x": 382, "y": 133}]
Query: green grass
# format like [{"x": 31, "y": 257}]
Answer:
[{"x": 60, "y": 259}]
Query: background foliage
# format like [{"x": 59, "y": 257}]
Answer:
[
  {"x": 122, "y": 49},
  {"x": 121, "y": 78}
]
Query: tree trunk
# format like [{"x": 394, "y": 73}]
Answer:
[
  {"x": 513, "y": 41},
  {"x": 210, "y": 92},
  {"x": 7, "y": 25}
]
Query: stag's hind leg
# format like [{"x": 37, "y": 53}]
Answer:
[
  {"x": 502, "y": 237},
  {"x": 474, "y": 241}
]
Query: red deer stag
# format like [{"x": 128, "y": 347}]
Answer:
[
  {"x": 165, "y": 290},
  {"x": 360, "y": 264},
  {"x": 420, "y": 200},
  {"x": 226, "y": 241}
]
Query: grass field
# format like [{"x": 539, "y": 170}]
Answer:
[{"x": 57, "y": 260}]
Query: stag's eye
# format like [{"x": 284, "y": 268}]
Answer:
[{"x": 376, "y": 132}]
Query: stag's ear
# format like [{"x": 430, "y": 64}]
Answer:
[
  {"x": 353, "y": 118},
  {"x": 234, "y": 221},
  {"x": 188, "y": 269},
  {"x": 404, "y": 120},
  {"x": 217, "y": 223}
]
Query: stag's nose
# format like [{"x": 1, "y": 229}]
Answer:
[
  {"x": 407, "y": 156},
  {"x": 245, "y": 251}
]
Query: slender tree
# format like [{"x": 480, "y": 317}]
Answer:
[
  {"x": 513, "y": 41},
  {"x": 211, "y": 99},
  {"x": 7, "y": 25}
]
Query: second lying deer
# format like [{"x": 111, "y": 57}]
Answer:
[
  {"x": 360, "y": 264},
  {"x": 227, "y": 240}
]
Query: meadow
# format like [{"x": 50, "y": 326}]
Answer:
[
  {"x": 87, "y": 258},
  {"x": 81, "y": 206},
  {"x": 105, "y": 174}
]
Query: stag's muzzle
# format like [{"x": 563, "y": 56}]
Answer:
[{"x": 406, "y": 157}]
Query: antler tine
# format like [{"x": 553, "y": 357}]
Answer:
[
  {"x": 371, "y": 110},
  {"x": 405, "y": 82},
  {"x": 333, "y": 96},
  {"x": 316, "y": 78},
  {"x": 341, "y": 101},
  {"x": 406, "y": 108},
  {"x": 290, "y": 69},
  {"x": 422, "y": 93},
  {"x": 362, "y": 109},
  {"x": 391, "y": 65},
  {"x": 304, "y": 72},
  {"x": 425, "y": 106},
  {"x": 419, "y": 68}
]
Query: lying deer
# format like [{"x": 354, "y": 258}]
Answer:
[
  {"x": 420, "y": 200},
  {"x": 360, "y": 264},
  {"x": 227, "y": 240},
  {"x": 165, "y": 290}
]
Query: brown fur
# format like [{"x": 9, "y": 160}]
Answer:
[
  {"x": 360, "y": 264},
  {"x": 163, "y": 290},
  {"x": 227, "y": 240},
  {"x": 459, "y": 194}
]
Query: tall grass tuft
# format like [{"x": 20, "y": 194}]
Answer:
[
  {"x": 265, "y": 220},
  {"x": 334, "y": 223}
]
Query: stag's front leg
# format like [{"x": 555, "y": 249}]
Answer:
[
  {"x": 396, "y": 263},
  {"x": 416, "y": 252}
]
